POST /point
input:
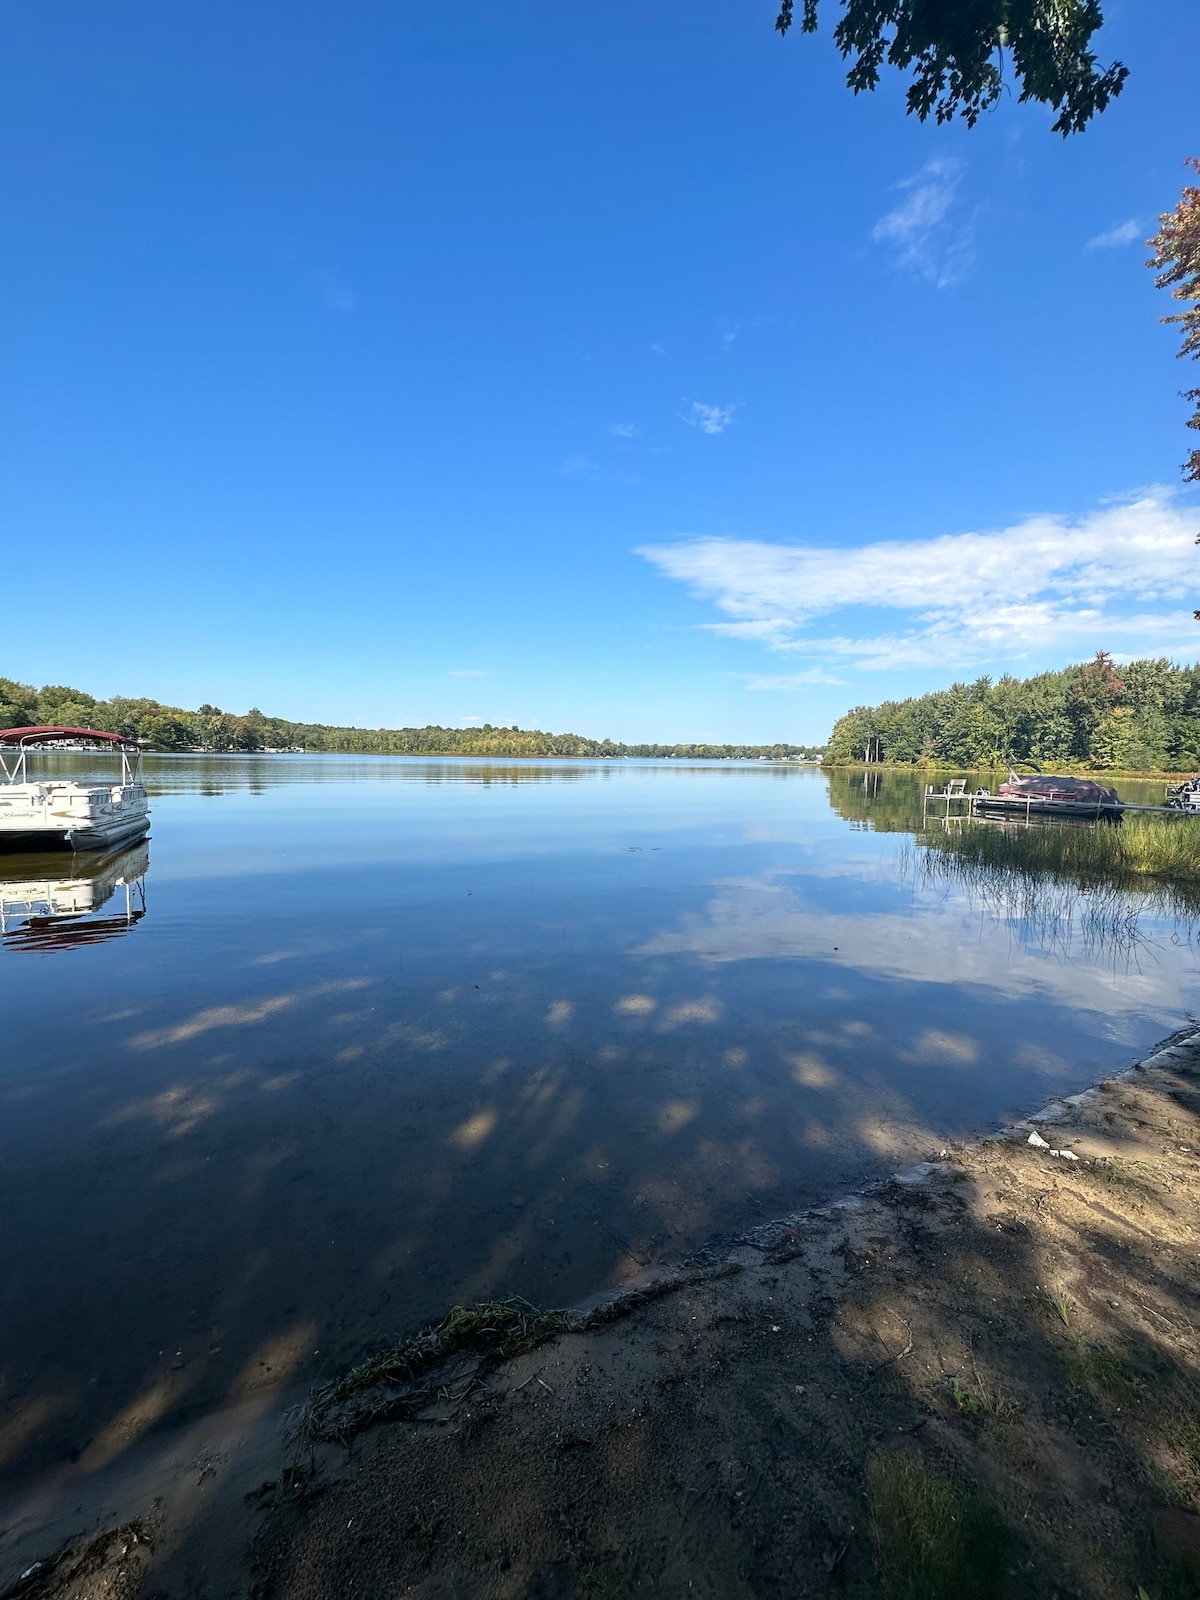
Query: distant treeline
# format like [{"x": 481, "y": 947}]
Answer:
[
  {"x": 1140, "y": 717},
  {"x": 210, "y": 728}
]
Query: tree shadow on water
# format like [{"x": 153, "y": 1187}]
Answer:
[
  {"x": 985, "y": 1385},
  {"x": 1009, "y": 1354}
]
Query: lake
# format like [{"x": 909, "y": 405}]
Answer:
[{"x": 353, "y": 1039}]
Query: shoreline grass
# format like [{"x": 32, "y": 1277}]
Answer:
[{"x": 1164, "y": 849}]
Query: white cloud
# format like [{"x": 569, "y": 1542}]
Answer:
[
  {"x": 1121, "y": 233},
  {"x": 658, "y": 350},
  {"x": 788, "y": 681},
  {"x": 580, "y": 463},
  {"x": 709, "y": 419},
  {"x": 622, "y": 430},
  {"x": 466, "y": 672},
  {"x": 927, "y": 242},
  {"x": 1121, "y": 578}
]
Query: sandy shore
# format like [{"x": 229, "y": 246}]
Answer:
[{"x": 979, "y": 1378}]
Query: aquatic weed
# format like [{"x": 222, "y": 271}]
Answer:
[
  {"x": 490, "y": 1330},
  {"x": 447, "y": 1361}
]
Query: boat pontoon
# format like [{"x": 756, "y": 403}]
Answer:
[{"x": 56, "y": 813}]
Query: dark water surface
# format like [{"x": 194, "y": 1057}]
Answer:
[{"x": 392, "y": 1034}]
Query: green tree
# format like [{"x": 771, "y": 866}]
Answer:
[
  {"x": 852, "y": 735},
  {"x": 1144, "y": 718},
  {"x": 1094, "y": 693},
  {"x": 1110, "y": 743},
  {"x": 210, "y": 728},
  {"x": 972, "y": 737},
  {"x": 958, "y": 49},
  {"x": 59, "y": 704},
  {"x": 18, "y": 704},
  {"x": 166, "y": 732}
]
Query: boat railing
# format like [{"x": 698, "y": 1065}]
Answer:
[{"x": 14, "y": 761}]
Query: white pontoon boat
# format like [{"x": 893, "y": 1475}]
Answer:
[{"x": 57, "y": 813}]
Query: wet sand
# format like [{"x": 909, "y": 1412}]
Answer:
[{"x": 998, "y": 1348}]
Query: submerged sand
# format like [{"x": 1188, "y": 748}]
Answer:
[{"x": 980, "y": 1378}]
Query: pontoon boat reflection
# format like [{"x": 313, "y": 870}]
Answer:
[{"x": 44, "y": 910}]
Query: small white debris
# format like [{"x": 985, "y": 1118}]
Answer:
[
  {"x": 774, "y": 1327},
  {"x": 1039, "y": 1143}
]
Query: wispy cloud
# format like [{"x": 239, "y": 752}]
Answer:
[
  {"x": 787, "y": 682},
  {"x": 927, "y": 240},
  {"x": 466, "y": 672},
  {"x": 1119, "y": 578},
  {"x": 580, "y": 463},
  {"x": 622, "y": 430},
  {"x": 709, "y": 419},
  {"x": 658, "y": 350},
  {"x": 1120, "y": 233}
]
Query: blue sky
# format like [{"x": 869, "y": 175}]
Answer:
[{"x": 612, "y": 370}]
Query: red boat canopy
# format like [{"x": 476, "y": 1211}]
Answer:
[{"x": 48, "y": 735}]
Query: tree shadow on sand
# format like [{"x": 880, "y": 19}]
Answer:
[{"x": 983, "y": 1384}]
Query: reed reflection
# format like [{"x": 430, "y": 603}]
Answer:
[{"x": 405, "y": 1033}]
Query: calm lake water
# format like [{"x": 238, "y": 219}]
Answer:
[{"x": 360, "y": 1038}]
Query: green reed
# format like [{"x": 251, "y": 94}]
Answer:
[{"x": 1166, "y": 848}]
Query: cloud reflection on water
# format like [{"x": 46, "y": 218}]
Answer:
[
  {"x": 940, "y": 939},
  {"x": 389, "y": 1044}
]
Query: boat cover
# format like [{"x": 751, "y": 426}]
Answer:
[
  {"x": 47, "y": 735},
  {"x": 1077, "y": 791}
]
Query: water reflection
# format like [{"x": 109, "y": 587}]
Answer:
[
  {"x": 46, "y": 904},
  {"x": 394, "y": 1039},
  {"x": 222, "y": 774},
  {"x": 889, "y": 801}
]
